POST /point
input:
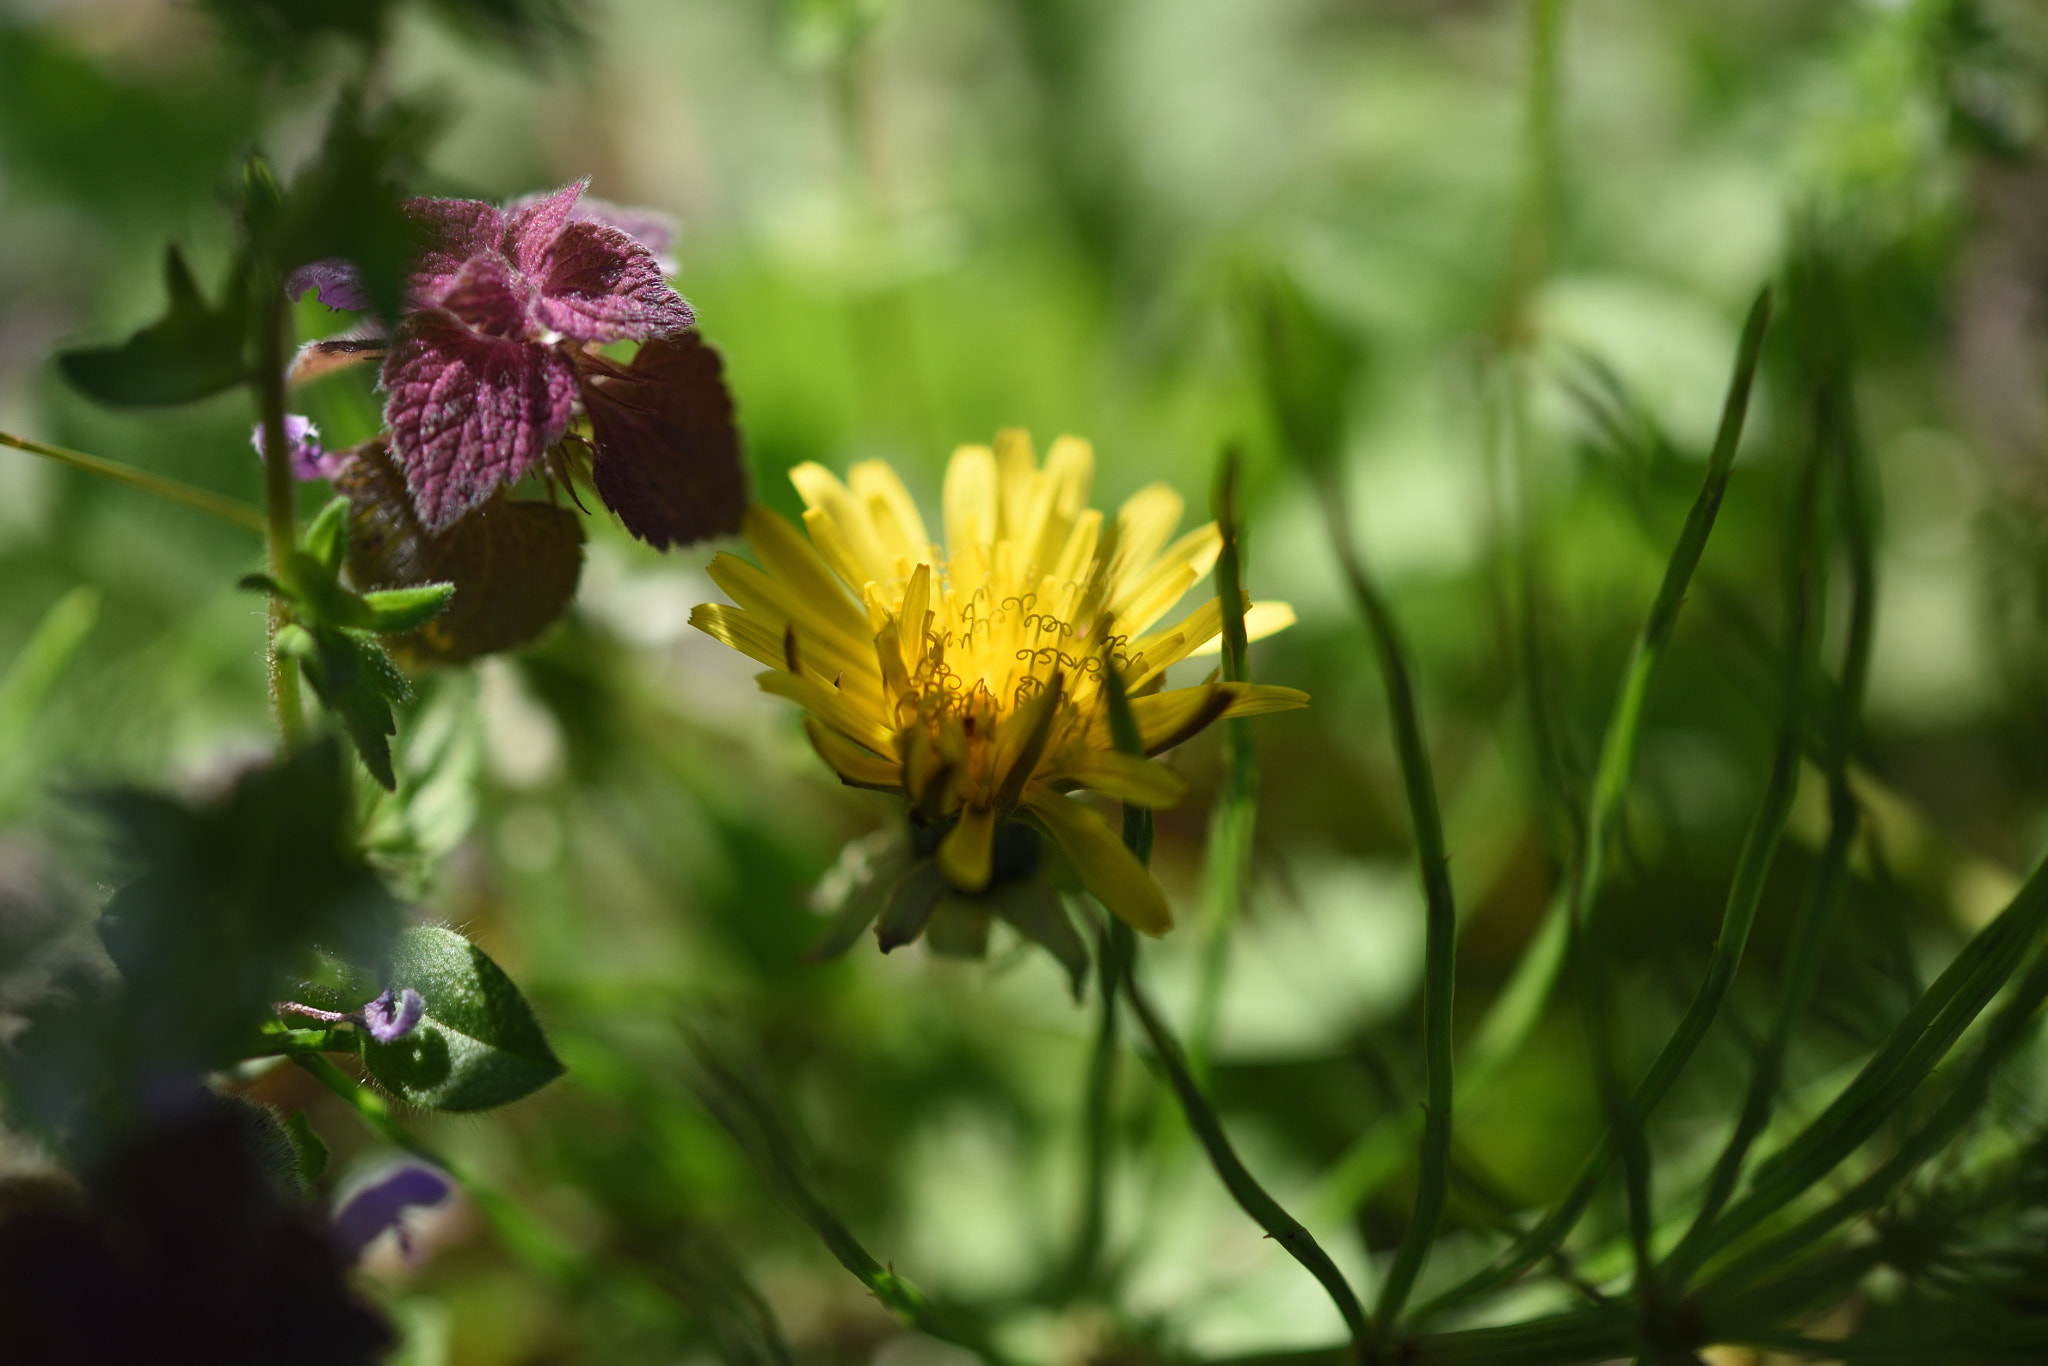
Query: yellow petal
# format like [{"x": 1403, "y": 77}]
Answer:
[
  {"x": 900, "y": 527},
  {"x": 970, "y": 500},
  {"x": 1261, "y": 619},
  {"x": 1079, "y": 551},
  {"x": 854, "y": 765},
  {"x": 1257, "y": 699},
  {"x": 831, "y": 706},
  {"x": 744, "y": 631},
  {"x": 1070, "y": 468},
  {"x": 1016, "y": 478},
  {"x": 1143, "y": 523},
  {"x": 1126, "y": 777},
  {"x": 1167, "y": 718},
  {"x": 788, "y": 558},
  {"x": 965, "y": 855},
  {"x": 1110, "y": 872},
  {"x": 822, "y": 492}
]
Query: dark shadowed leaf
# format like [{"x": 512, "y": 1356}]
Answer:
[
  {"x": 194, "y": 350},
  {"x": 234, "y": 899},
  {"x": 477, "y": 1045},
  {"x": 346, "y": 205},
  {"x": 514, "y": 564},
  {"x": 667, "y": 451}
]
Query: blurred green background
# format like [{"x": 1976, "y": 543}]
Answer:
[{"x": 907, "y": 223}]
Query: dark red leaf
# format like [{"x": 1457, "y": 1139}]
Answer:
[
  {"x": 514, "y": 564},
  {"x": 598, "y": 284},
  {"x": 667, "y": 453}
]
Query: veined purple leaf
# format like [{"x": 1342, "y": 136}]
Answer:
[
  {"x": 533, "y": 225},
  {"x": 597, "y": 284},
  {"x": 653, "y": 230},
  {"x": 335, "y": 282},
  {"x": 491, "y": 297},
  {"x": 667, "y": 452},
  {"x": 469, "y": 414},
  {"x": 454, "y": 230}
]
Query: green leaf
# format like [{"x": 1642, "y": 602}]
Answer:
[
  {"x": 194, "y": 350},
  {"x": 1305, "y": 364},
  {"x": 355, "y": 680},
  {"x": 477, "y": 1046},
  {"x": 397, "y": 610},
  {"x": 321, "y": 599},
  {"x": 327, "y": 538}
]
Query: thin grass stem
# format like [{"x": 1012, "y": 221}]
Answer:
[{"x": 212, "y": 504}]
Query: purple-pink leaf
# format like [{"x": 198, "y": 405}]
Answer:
[
  {"x": 488, "y": 295},
  {"x": 469, "y": 414},
  {"x": 599, "y": 285},
  {"x": 651, "y": 229},
  {"x": 532, "y": 227},
  {"x": 335, "y": 282},
  {"x": 667, "y": 454},
  {"x": 454, "y": 231}
]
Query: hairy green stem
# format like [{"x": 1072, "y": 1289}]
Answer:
[
  {"x": 280, "y": 495},
  {"x": 212, "y": 504}
]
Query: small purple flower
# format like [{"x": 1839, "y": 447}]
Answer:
[
  {"x": 482, "y": 378},
  {"x": 334, "y": 282},
  {"x": 310, "y": 460},
  {"x": 382, "y": 1202},
  {"x": 390, "y": 1020}
]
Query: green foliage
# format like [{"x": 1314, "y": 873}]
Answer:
[
  {"x": 478, "y": 1045},
  {"x": 193, "y": 351}
]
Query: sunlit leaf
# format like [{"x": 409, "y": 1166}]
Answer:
[{"x": 477, "y": 1046}]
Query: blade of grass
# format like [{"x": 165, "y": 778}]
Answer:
[
  {"x": 212, "y": 504},
  {"x": 1119, "y": 945},
  {"x": 1835, "y": 438},
  {"x": 1609, "y": 789},
  {"x": 1966, "y": 1096},
  {"x": 761, "y": 1134}
]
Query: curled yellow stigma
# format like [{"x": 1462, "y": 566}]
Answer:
[{"x": 971, "y": 680}]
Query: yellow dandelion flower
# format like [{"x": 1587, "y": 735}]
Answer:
[{"x": 971, "y": 680}]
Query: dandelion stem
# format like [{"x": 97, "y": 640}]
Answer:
[
  {"x": 1230, "y": 827},
  {"x": 1120, "y": 945},
  {"x": 212, "y": 504},
  {"x": 1098, "y": 1112},
  {"x": 1440, "y": 910}
]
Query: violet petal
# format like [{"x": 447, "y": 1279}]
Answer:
[
  {"x": 469, "y": 414},
  {"x": 382, "y": 1204},
  {"x": 334, "y": 281},
  {"x": 309, "y": 459},
  {"x": 532, "y": 227},
  {"x": 389, "y": 1021},
  {"x": 455, "y": 230},
  {"x": 597, "y": 284}
]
